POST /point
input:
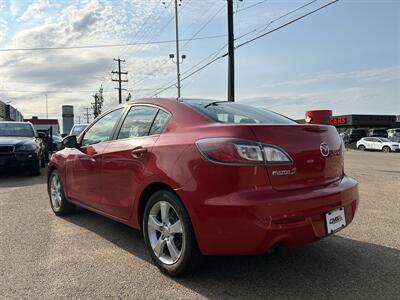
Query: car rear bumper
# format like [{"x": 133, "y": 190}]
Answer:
[
  {"x": 18, "y": 160},
  {"x": 252, "y": 222}
]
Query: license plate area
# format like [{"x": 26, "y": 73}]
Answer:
[{"x": 335, "y": 220}]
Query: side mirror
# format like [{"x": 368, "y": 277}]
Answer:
[
  {"x": 41, "y": 135},
  {"x": 70, "y": 141},
  {"x": 63, "y": 135}
]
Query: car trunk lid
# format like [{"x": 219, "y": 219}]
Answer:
[{"x": 315, "y": 150}]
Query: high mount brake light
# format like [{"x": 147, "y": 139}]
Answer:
[{"x": 240, "y": 152}]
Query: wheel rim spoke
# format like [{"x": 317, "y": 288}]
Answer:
[
  {"x": 154, "y": 223},
  {"x": 159, "y": 247},
  {"x": 173, "y": 251},
  {"x": 176, "y": 227},
  {"x": 164, "y": 207}
]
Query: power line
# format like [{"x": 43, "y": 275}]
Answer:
[
  {"x": 265, "y": 27},
  {"x": 204, "y": 26},
  {"x": 158, "y": 91},
  {"x": 250, "y": 6},
  {"x": 112, "y": 45},
  {"x": 286, "y": 24}
]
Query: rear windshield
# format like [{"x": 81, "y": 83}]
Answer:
[
  {"x": 232, "y": 112},
  {"x": 16, "y": 129}
]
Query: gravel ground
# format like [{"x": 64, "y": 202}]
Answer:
[{"x": 86, "y": 256}]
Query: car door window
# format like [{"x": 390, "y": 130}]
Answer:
[
  {"x": 159, "y": 122},
  {"x": 137, "y": 122},
  {"x": 101, "y": 131}
]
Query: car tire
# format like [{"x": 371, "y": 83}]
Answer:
[
  {"x": 169, "y": 235},
  {"x": 361, "y": 147},
  {"x": 386, "y": 149},
  {"x": 58, "y": 202},
  {"x": 35, "y": 169}
]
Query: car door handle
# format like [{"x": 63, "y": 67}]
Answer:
[{"x": 138, "y": 152}]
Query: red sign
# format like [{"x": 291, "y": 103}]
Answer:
[{"x": 338, "y": 121}]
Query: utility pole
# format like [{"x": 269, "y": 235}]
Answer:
[
  {"x": 87, "y": 115},
  {"x": 178, "y": 73},
  {"x": 119, "y": 88},
  {"x": 231, "y": 53}
]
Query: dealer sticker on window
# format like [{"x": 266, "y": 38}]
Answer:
[{"x": 335, "y": 220}]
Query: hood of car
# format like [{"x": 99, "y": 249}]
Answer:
[{"x": 16, "y": 140}]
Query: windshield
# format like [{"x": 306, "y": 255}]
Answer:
[
  {"x": 232, "y": 112},
  {"x": 379, "y": 131},
  {"x": 78, "y": 129},
  {"x": 17, "y": 129},
  {"x": 358, "y": 131}
]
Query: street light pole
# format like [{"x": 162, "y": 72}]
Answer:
[{"x": 178, "y": 74}]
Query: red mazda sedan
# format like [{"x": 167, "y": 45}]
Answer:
[{"x": 202, "y": 177}]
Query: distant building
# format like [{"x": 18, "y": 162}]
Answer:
[
  {"x": 9, "y": 113},
  {"x": 68, "y": 118},
  {"x": 45, "y": 124},
  {"x": 344, "y": 122}
]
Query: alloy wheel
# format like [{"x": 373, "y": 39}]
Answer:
[
  {"x": 165, "y": 232},
  {"x": 55, "y": 192}
]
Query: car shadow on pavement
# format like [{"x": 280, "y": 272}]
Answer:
[
  {"x": 20, "y": 178},
  {"x": 335, "y": 267}
]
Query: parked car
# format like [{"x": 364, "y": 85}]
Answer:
[
  {"x": 352, "y": 135},
  {"x": 394, "y": 134},
  {"x": 77, "y": 129},
  {"x": 21, "y": 147},
  {"x": 202, "y": 177},
  {"x": 379, "y": 144},
  {"x": 377, "y": 132}
]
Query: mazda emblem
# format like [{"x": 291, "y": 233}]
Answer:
[{"x": 324, "y": 149}]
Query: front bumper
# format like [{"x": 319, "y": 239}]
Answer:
[
  {"x": 18, "y": 160},
  {"x": 254, "y": 221}
]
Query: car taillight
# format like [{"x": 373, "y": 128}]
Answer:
[
  {"x": 275, "y": 155},
  {"x": 238, "y": 151}
]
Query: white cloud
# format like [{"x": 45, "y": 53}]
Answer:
[
  {"x": 34, "y": 10},
  {"x": 77, "y": 74}
]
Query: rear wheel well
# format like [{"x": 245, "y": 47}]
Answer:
[{"x": 146, "y": 194}]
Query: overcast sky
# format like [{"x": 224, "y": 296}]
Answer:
[{"x": 345, "y": 57}]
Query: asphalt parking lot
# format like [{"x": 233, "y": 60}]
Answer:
[{"x": 86, "y": 256}]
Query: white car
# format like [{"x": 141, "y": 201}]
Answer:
[{"x": 377, "y": 143}]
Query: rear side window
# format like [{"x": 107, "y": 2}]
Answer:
[
  {"x": 137, "y": 122},
  {"x": 231, "y": 112},
  {"x": 159, "y": 122}
]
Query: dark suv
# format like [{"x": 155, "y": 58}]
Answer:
[
  {"x": 21, "y": 147},
  {"x": 352, "y": 135},
  {"x": 378, "y": 132}
]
